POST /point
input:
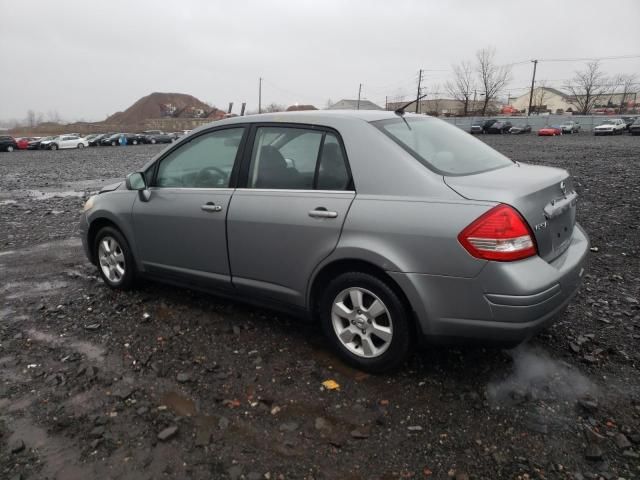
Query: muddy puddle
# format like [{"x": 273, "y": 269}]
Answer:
[
  {"x": 90, "y": 350},
  {"x": 57, "y": 455},
  {"x": 181, "y": 405},
  {"x": 15, "y": 290}
]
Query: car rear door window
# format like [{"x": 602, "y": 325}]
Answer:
[
  {"x": 297, "y": 159},
  {"x": 332, "y": 169},
  {"x": 204, "y": 162}
]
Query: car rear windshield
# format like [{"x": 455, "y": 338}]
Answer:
[{"x": 442, "y": 147}]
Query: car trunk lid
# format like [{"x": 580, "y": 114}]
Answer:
[{"x": 544, "y": 196}]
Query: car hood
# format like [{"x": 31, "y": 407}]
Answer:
[
  {"x": 110, "y": 188},
  {"x": 604, "y": 127}
]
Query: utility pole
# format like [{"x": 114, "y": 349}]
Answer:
[
  {"x": 260, "y": 95},
  {"x": 533, "y": 81},
  {"x": 418, "y": 95},
  {"x": 386, "y": 102},
  {"x": 359, "y": 92}
]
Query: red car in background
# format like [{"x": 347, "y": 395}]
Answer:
[
  {"x": 551, "y": 131},
  {"x": 23, "y": 143}
]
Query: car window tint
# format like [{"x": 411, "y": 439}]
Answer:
[
  {"x": 332, "y": 171},
  {"x": 284, "y": 158},
  {"x": 204, "y": 162}
]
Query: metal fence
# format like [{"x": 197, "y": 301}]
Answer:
[{"x": 587, "y": 122}]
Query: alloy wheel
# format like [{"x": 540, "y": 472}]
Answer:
[
  {"x": 111, "y": 258},
  {"x": 362, "y": 322}
]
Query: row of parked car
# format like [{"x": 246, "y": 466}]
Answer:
[
  {"x": 610, "y": 126},
  {"x": 75, "y": 140}
]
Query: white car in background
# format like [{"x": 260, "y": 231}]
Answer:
[
  {"x": 68, "y": 141},
  {"x": 614, "y": 126}
]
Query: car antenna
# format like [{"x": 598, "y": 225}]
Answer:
[{"x": 400, "y": 111}]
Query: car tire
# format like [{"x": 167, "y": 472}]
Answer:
[
  {"x": 135, "y": 142},
  {"x": 359, "y": 344},
  {"x": 153, "y": 141},
  {"x": 114, "y": 259},
  {"x": 10, "y": 148},
  {"x": 53, "y": 146},
  {"x": 113, "y": 144},
  {"x": 80, "y": 145}
]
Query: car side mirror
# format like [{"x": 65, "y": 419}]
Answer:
[{"x": 136, "y": 181}]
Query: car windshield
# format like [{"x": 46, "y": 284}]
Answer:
[
  {"x": 442, "y": 147},
  {"x": 608, "y": 122}
]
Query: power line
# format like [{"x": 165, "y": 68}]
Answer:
[{"x": 613, "y": 57}]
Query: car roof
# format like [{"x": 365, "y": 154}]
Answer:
[{"x": 314, "y": 116}]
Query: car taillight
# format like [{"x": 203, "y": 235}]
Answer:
[{"x": 500, "y": 234}]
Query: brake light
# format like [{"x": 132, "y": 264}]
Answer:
[{"x": 500, "y": 234}]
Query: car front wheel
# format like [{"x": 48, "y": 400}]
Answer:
[
  {"x": 10, "y": 148},
  {"x": 115, "y": 261},
  {"x": 366, "y": 322},
  {"x": 53, "y": 146},
  {"x": 80, "y": 145}
]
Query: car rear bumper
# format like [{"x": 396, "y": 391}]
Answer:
[{"x": 508, "y": 302}]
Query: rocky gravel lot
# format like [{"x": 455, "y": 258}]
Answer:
[{"x": 168, "y": 383}]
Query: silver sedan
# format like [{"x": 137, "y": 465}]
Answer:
[{"x": 387, "y": 228}]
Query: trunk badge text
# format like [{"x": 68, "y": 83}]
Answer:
[{"x": 540, "y": 226}]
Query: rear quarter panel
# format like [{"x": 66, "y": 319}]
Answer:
[{"x": 410, "y": 235}]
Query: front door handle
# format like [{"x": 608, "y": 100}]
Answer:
[
  {"x": 211, "y": 207},
  {"x": 322, "y": 212}
]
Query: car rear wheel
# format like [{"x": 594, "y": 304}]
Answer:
[
  {"x": 80, "y": 145},
  {"x": 135, "y": 142},
  {"x": 113, "y": 144},
  {"x": 53, "y": 146},
  {"x": 153, "y": 141},
  {"x": 366, "y": 322},
  {"x": 115, "y": 262},
  {"x": 10, "y": 148}
]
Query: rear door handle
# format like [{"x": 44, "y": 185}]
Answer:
[
  {"x": 211, "y": 207},
  {"x": 322, "y": 212}
]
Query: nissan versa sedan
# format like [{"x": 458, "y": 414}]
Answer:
[{"x": 387, "y": 228}]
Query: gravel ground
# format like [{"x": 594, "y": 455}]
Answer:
[{"x": 168, "y": 383}]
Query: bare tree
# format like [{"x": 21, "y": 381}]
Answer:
[
  {"x": 274, "y": 107},
  {"x": 31, "y": 118},
  {"x": 492, "y": 78},
  {"x": 462, "y": 86},
  {"x": 539, "y": 95},
  {"x": 436, "y": 102},
  {"x": 628, "y": 84},
  {"x": 586, "y": 87},
  {"x": 53, "y": 116}
]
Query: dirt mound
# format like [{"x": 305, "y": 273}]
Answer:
[{"x": 159, "y": 105}]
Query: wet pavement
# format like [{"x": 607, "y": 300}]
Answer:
[{"x": 167, "y": 383}]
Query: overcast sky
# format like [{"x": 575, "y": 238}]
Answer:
[{"x": 87, "y": 59}]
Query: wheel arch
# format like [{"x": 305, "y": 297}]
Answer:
[
  {"x": 95, "y": 226},
  {"x": 331, "y": 269}
]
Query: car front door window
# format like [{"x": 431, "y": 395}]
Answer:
[{"x": 204, "y": 162}]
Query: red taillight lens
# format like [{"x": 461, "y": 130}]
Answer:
[{"x": 500, "y": 234}]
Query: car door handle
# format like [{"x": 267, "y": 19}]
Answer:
[
  {"x": 211, "y": 207},
  {"x": 322, "y": 212}
]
